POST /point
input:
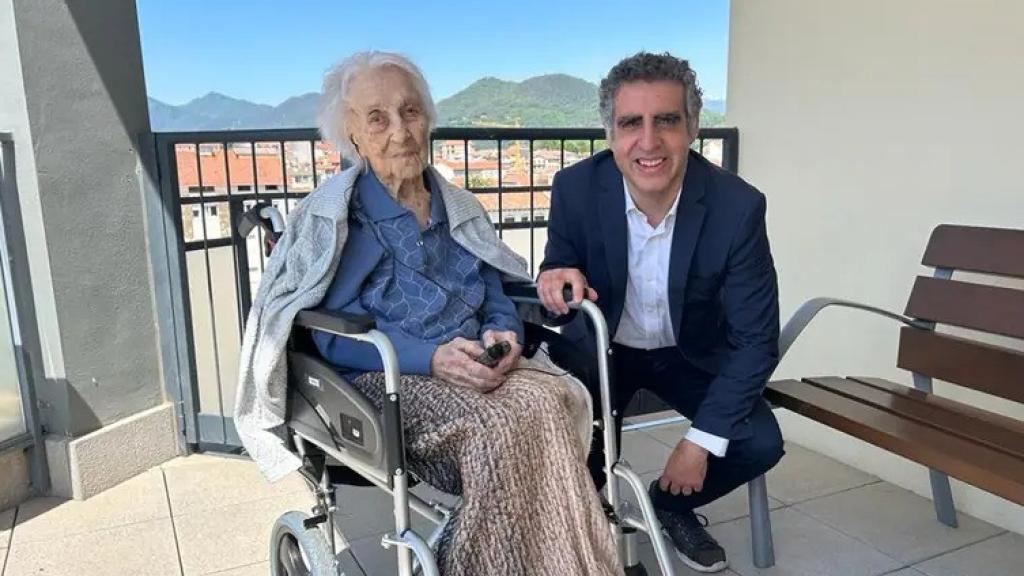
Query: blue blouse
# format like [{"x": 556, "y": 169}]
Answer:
[{"x": 423, "y": 288}]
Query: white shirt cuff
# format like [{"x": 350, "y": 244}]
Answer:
[{"x": 714, "y": 444}]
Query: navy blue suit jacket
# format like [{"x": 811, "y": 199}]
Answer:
[{"x": 723, "y": 293}]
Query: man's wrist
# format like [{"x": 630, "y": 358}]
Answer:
[
  {"x": 713, "y": 444},
  {"x": 687, "y": 445}
]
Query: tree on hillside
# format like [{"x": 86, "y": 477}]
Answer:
[
  {"x": 710, "y": 119},
  {"x": 478, "y": 181}
]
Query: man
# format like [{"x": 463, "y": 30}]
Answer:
[{"x": 675, "y": 252}]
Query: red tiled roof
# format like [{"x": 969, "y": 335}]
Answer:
[
  {"x": 473, "y": 164},
  {"x": 515, "y": 201},
  {"x": 239, "y": 166},
  {"x": 548, "y": 153}
]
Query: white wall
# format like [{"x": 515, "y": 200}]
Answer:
[
  {"x": 866, "y": 124},
  {"x": 14, "y": 119}
]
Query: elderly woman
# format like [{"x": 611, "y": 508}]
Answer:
[{"x": 422, "y": 258}]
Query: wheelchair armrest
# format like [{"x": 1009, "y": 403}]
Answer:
[{"x": 334, "y": 322}]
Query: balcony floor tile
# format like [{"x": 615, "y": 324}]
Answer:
[
  {"x": 803, "y": 547},
  {"x": 142, "y": 548},
  {"x": 218, "y": 539},
  {"x": 203, "y": 482},
  {"x": 137, "y": 500},
  {"x": 6, "y": 523},
  {"x": 895, "y": 521},
  {"x": 644, "y": 453},
  {"x": 998, "y": 556},
  {"x": 803, "y": 475}
]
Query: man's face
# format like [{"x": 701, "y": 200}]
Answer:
[{"x": 650, "y": 136}]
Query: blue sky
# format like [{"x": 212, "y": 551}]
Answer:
[{"x": 268, "y": 50}]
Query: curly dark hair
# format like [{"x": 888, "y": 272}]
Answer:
[{"x": 648, "y": 67}]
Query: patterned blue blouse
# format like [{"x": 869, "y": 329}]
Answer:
[{"x": 423, "y": 288}]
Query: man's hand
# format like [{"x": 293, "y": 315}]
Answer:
[
  {"x": 455, "y": 363},
  {"x": 685, "y": 469},
  {"x": 550, "y": 284},
  {"x": 512, "y": 358}
]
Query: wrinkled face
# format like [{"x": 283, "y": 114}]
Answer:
[
  {"x": 650, "y": 136},
  {"x": 387, "y": 123}
]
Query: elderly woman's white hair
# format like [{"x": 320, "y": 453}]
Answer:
[{"x": 332, "y": 118}]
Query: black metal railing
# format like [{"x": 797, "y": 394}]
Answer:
[{"x": 209, "y": 179}]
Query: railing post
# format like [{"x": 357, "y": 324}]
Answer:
[{"x": 731, "y": 150}]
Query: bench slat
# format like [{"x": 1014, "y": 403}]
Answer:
[
  {"x": 977, "y": 413},
  {"x": 913, "y": 404},
  {"x": 983, "y": 367},
  {"x": 973, "y": 249},
  {"x": 987, "y": 308},
  {"x": 976, "y": 464}
]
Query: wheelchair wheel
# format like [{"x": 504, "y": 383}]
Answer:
[{"x": 298, "y": 551}]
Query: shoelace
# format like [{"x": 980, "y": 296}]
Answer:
[{"x": 696, "y": 534}]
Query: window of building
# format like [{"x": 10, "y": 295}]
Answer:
[
  {"x": 212, "y": 210},
  {"x": 270, "y": 187},
  {"x": 245, "y": 187}
]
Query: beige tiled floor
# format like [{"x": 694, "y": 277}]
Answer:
[
  {"x": 138, "y": 500},
  {"x": 209, "y": 514}
]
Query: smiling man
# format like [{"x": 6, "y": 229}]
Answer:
[{"x": 675, "y": 252}]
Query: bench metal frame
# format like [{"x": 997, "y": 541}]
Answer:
[{"x": 942, "y": 495}]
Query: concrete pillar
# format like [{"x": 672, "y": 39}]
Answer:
[{"x": 83, "y": 98}]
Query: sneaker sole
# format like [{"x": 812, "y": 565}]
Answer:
[{"x": 716, "y": 567}]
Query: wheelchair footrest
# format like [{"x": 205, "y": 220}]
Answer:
[{"x": 314, "y": 521}]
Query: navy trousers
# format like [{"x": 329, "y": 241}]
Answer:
[{"x": 682, "y": 386}]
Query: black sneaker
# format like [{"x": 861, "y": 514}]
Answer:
[{"x": 697, "y": 549}]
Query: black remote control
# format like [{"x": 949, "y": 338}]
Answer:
[{"x": 494, "y": 353}]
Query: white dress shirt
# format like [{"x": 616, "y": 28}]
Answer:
[{"x": 646, "y": 321}]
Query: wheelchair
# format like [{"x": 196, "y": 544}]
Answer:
[{"x": 342, "y": 439}]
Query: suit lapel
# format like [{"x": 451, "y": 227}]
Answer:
[
  {"x": 611, "y": 207},
  {"x": 689, "y": 220}
]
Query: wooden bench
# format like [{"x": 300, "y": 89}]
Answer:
[{"x": 948, "y": 436}]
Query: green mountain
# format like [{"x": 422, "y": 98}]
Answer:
[
  {"x": 550, "y": 101},
  {"x": 554, "y": 100}
]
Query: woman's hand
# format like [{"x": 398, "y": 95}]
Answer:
[
  {"x": 455, "y": 363},
  {"x": 512, "y": 358}
]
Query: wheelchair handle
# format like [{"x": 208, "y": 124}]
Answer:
[
  {"x": 567, "y": 292},
  {"x": 264, "y": 215},
  {"x": 527, "y": 292}
]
